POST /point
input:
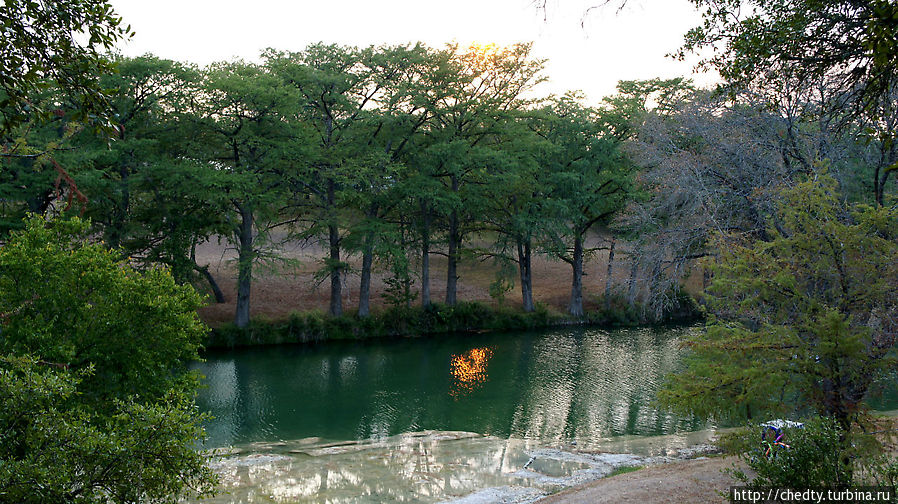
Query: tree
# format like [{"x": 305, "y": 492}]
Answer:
[
  {"x": 518, "y": 211},
  {"x": 849, "y": 48},
  {"x": 97, "y": 401},
  {"x": 242, "y": 131},
  {"x": 147, "y": 193},
  {"x": 589, "y": 181},
  {"x": 41, "y": 42},
  {"x": 805, "y": 319},
  {"x": 483, "y": 86},
  {"x": 854, "y": 41},
  {"x": 362, "y": 104},
  {"x": 708, "y": 165},
  {"x": 334, "y": 88}
]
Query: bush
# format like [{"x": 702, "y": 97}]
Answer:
[
  {"x": 396, "y": 321},
  {"x": 96, "y": 402},
  {"x": 819, "y": 455}
]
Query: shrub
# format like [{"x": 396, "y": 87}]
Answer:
[
  {"x": 96, "y": 402},
  {"x": 819, "y": 455}
]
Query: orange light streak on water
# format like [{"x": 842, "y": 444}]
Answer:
[{"x": 468, "y": 370}]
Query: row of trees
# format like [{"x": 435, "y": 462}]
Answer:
[
  {"x": 384, "y": 152},
  {"x": 394, "y": 154}
]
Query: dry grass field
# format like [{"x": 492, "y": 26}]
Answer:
[{"x": 279, "y": 290}]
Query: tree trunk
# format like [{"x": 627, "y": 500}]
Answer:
[
  {"x": 425, "y": 254},
  {"x": 526, "y": 270},
  {"x": 367, "y": 260},
  {"x": 655, "y": 295},
  {"x": 115, "y": 235},
  {"x": 452, "y": 268},
  {"x": 633, "y": 289},
  {"x": 877, "y": 192},
  {"x": 609, "y": 275},
  {"x": 881, "y": 187},
  {"x": 336, "y": 304},
  {"x": 576, "y": 306},
  {"x": 216, "y": 290},
  {"x": 244, "y": 264},
  {"x": 454, "y": 239},
  {"x": 365, "y": 286}
]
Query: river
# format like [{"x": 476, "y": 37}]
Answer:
[
  {"x": 582, "y": 385},
  {"x": 479, "y": 418},
  {"x": 432, "y": 419}
]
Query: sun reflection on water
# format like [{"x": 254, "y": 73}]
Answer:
[{"x": 468, "y": 370}]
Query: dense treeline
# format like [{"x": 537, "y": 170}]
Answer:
[
  {"x": 393, "y": 154},
  {"x": 390, "y": 153}
]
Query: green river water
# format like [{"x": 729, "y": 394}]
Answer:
[
  {"x": 468, "y": 419},
  {"x": 582, "y": 385}
]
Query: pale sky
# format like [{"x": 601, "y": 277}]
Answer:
[{"x": 612, "y": 46}]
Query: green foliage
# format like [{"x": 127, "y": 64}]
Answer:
[
  {"x": 393, "y": 322},
  {"x": 41, "y": 43},
  {"x": 397, "y": 292},
  {"x": 134, "y": 452},
  {"x": 805, "y": 320},
  {"x": 624, "y": 470},
  {"x": 501, "y": 286},
  {"x": 97, "y": 403},
  {"x": 818, "y": 456},
  {"x": 75, "y": 303},
  {"x": 148, "y": 194},
  {"x": 852, "y": 41}
]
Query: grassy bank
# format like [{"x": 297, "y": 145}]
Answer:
[{"x": 434, "y": 319}]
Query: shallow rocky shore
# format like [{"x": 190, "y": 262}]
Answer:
[{"x": 431, "y": 467}]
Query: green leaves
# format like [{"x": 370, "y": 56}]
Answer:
[
  {"x": 853, "y": 43},
  {"x": 805, "y": 320},
  {"x": 77, "y": 304},
  {"x": 96, "y": 404},
  {"x": 39, "y": 43}
]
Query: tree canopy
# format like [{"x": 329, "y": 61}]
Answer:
[
  {"x": 806, "y": 319},
  {"x": 854, "y": 40},
  {"x": 62, "y": 42},
  {"x": 97, "y": 401}
]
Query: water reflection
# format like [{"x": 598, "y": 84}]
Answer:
[
  {"x": 581, "y": 384},
  {"x": 468, "y": 370},
  {"x": 424, "y": 467},
  {"x": 414, "y": 467}
]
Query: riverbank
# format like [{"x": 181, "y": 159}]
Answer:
[
  {"x": 438, "y": 467},
  {"x": 292, "y": 288},
  {"x": 464, "y": 317},
  {"x": 699, "y": 480}
]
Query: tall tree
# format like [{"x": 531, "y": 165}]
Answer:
[
  {"x": 589, "y": 181},
  {"x": 519, "y": 211},
  {"x": 807, "y": 318},
  {"x": 488, "y": 84},
  {"x": 147, "y": 196},
  {"x": 401, "y": 75},
  {"x": 242, "y": 131},
  {"x": 336, "y": 87}
]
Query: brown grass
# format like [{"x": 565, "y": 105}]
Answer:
[{"x": 279, "y": 290}]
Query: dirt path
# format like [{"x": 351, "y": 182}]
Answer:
[{"x": 690, "y": 481}]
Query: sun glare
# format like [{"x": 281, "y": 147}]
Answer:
[
  {"x": 484, "y": 48},
  {"x": 468, "y": 370}
]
